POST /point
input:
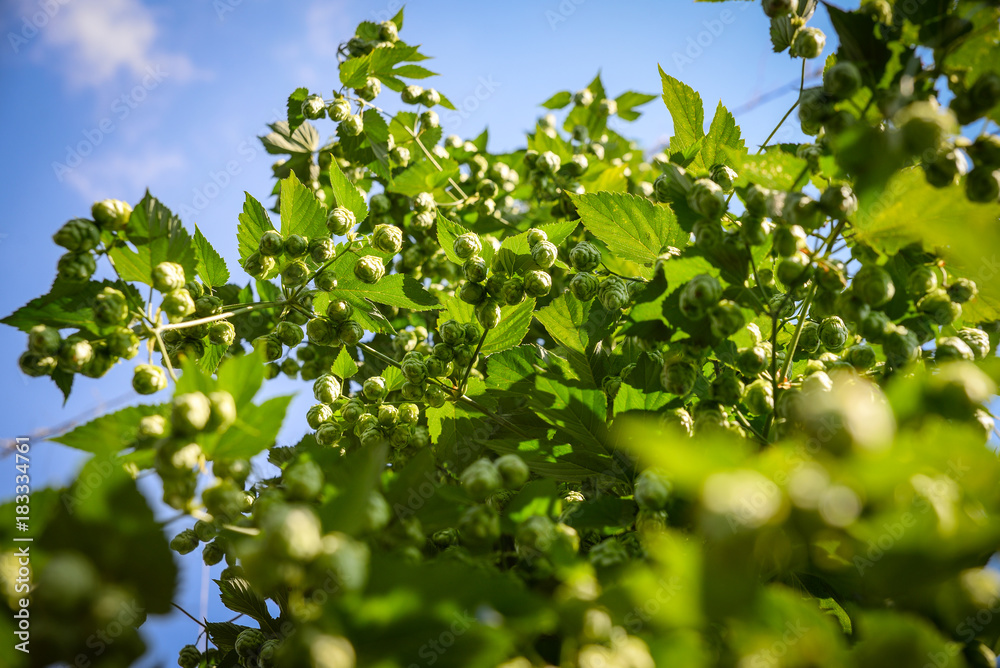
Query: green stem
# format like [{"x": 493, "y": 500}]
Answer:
[
  {"x": 802, "y": 83},
  {"x": 163, "y": 351},
  {"x": 472, "y": 362},
  {"x": 798, "y": 331},
  {"x": 221, "y": 316}
]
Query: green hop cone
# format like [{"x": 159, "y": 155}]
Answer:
[
  {"x": 409, "y": 414},
  {"x": 472, "y": 293},
  {"x": 584, "y": 286},
  {"x": 480, "y": 479},
  {"x": 76, "y": 267},
  {"x": 258, "y": 265},
  {"x": 296, "y": 245},
  {"x": 536, "y": 236},
  {"x": 369, "y": 269},
  {"x": 340, "y": 109},
  {"x": 585, "y": 257},
  {"x": 809, "y": 337},
  {"x": 702, "y": 291},
  {"x": 111, "y": 214},
  {"x": 78, "y": 235},
  {"x": 36, "y": 364},
  {"x": 412, "y": 391},
  {"x": 725, "y": 176},
  {"x": 184, "y": 542},
  {"x": 706, "y": 198},
  {"x": 839, "y": 202},
  {"x": 370, "y": 90},
  {"x": 467, "y": 245},
  {"x": 349, "y": 333},
  {"x": 340, "y": 220},
  {"x": 190, "y": 413},
  {"x": 352, "y": 126},
  {"x": 339, "y": 310},
  {"x": 268, "y": 346},
  {"x": 123, "y": 342},
  {"x": 788, "y": 240},
  {"x": 110, "y": 308},
  {"x": 758, "y": 397},
  {"x": 752, "y": 361},
  {"x": 223, "y": 411},
  {"x": 537, "y": 283},
  {"x": 922, "y": 280},
  {"x": 322, "y": 249},
  {"x": 545, "y": 254},
  {"x": 318, "y": 414},
  {"x": 44, "y": 340},
  {"x": 177, "y": 304},
  {"x": 488, "y": 314},
  {"x": 775, "y": 8},
  {"x": 271, "y": 244},
  {"x": 327, "y": 389},
  {"x": 75, "y": 353},
  {"x": 189, "y": 657},
  {"x": 962, "y": 290},
  {"x": 374, "y": 388},
  {"x": 326, "y": 280},
  {"x": 313, "y": 107},
  {"x": 222, "y": 333},
  {"x": 512, "y": 291},
  {"x": 873, "y": 285},
  {"x": 939, "y": 307},
  {"x": 168, "y": 276},
  {"x": 833, "y": 333},
  {"x": 288, "y": 333},
  {"x": 808, "y": 43},
  {"x": 945, "y": 167},
  {"x": 424, "y": 202},
  {"x": 387, "y": 238},
  {"x": 248, "y": 643},
  {"x": 294, "y": 274},
  {"x": 678, "y": 377},
  {"x": 207, "y": 305},
  {"x": 977, "y": 340},
  {"x": 303, "y": 481},
  {"x": 414, "y": 369},
  {"x": 328, "y": 433},
  {"x": 451, "y": 332},
  {"x": 613, "y": 293},
  {"x": 861, "y": 356},
  {"x": 652, "y": 490},
  {"x": 842, "y": 80},
  {"x": 725, "y": 319},
  {"x": 149, "y": 379},
  {"x": 475, "y": 269}
]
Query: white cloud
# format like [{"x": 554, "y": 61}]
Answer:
[
  {"x": 93, "y": 41},
  {"x": 125, "y": 175}
]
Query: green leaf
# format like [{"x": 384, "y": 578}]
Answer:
[
  {"x": 628, "y": 101},
  {"x": 722, "y": 133},
  {"x": 685, "y": 107},
  {"x": 254, "y": 221},
  {"x": 377, "y": 133},
  {"x": 772, "y": 169},
  {"x": 344, "y": 366},
  {"x": 401, "y": 290},
  {"x": 447, "y": 232},
  {"x": 354, "y": 72},
  {"x": 242, "y": 376},
  {"x": 514, "y": 254},
  {"x": 512, "y": 370},
  {"x": 211, "y": 267},
  {"x": 295, "y": 100},
  {"x": 577, "y": 326},
  {"x": 579, "y": 414},
  {"x": 214, "y": 353},
  {"x": 559, "y": 100},
  {"x": 158, "y": 236},
  {"x": 301, "y": 212},
  {"x": 239, "y": 596},
  {"x": 398, "y": 19},
  {"x": 424, "y": 177},
  {"x": 633, "y": 228},
  {"x": 111, "y": 433},
  {"x": 223, "y": 634},
  {"x": 346, "y": 194},
  {"x": 514, "y": 322},
  {"x": 642, "y": 390},
  {"x": 68, "y": 304},
  {"x": 255, "y": 429},
  {"x": 284, "y": 140},
  {"x": 413, "y": 72},
  {"x": 965, "y": 233}
]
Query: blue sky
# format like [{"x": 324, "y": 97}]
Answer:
[{"x": 104, "y": 98}]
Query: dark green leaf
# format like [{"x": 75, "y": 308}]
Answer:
[
  {"x": 295, "y": 100},
  {"x": 346, "y": 194},
  {"x": 211, "y": 267},
  {"x": 559, "y": 100},
  {"x": 111, "y": 433},
  {"x": 158, "y": 237}
]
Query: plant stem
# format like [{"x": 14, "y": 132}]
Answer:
[
  {"x": 798, "y": 331},
  {"x": 221, "y": 316},
  {"x": 472, "y": 362},
  {"x": 802, "y": 83}
]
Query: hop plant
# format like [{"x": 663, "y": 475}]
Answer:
[
  {"x": 78, "y": 236},
  {"x": 537, "y": 283},
  {"x": 76, "y": 267},
  {"x": 808, "y": 42},
  {"x": 340, "y": 220},
  {"x": 613, "y": 293},
  {"x": 369, "y": 269},
  {"x": 313, "y": 107},
  {"x": 707, "y": 198},
  {"x": 545, "y": 254},
  {"x": 271, "y": 243},
  {"x": 387, "y": 238},
  {"x": 584, "y": 286},
  {"x": 111, "y": 214},
  {"x": 110, "y": 308},
  {"x": 149, "y": 379},
  {"x": 467, "y": 245}
]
